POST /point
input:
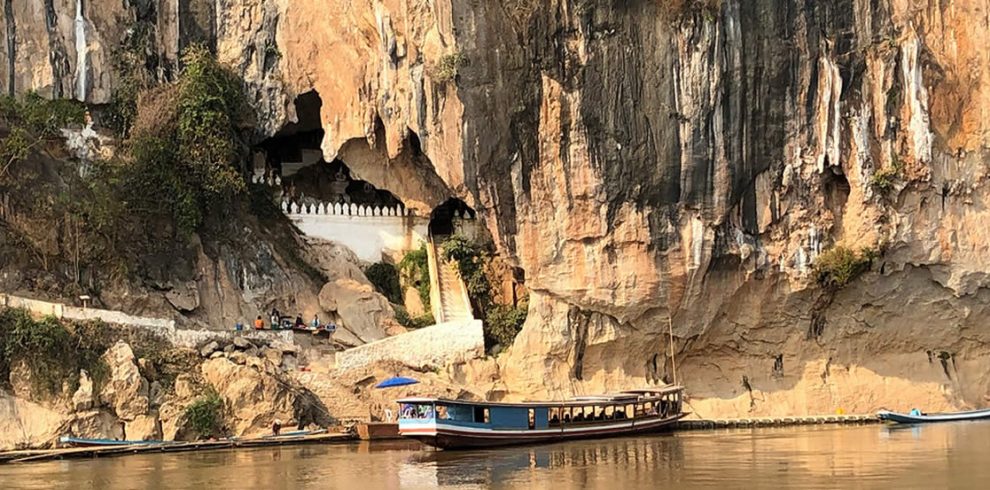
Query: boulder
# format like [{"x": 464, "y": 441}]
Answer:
[
  {"x": 96, "y": 424},
  {"x": 238, "y": 358},
  {"x": 253, "y": 397},
  {"x": 227, "y": 349},
  {"x": 362, "y": 312},
  {"x": 217, "y": 354},
  {"x": 209, "y": 348},
  {"x": 184, "y": 297},
  {"x": 143, "y": 428},
  {"x": 285, "y": 347},
  {"x": 242, "y": 343},
  {"x": 185, "y": 388},
  {"x": 83, "y": 398},
  {"x": 272, "y": 355},
  {"x": 125, "y": 391},
  {"x": 290, "y": 362}
]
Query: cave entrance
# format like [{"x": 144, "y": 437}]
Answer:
[
  {"x": 443, "y": 218},
  {"x": 292, "y": 161}
]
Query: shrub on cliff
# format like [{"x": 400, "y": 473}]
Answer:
[
  {"x": 205, "y": 415},
  {"x": 52, "y": 351},
  {"x": 503, "y": 323},
  {"x": 447, "y": 68},
  {"x": 385, "y": 278},
  {"x": 838, "y": 266},
  {"x": 415, "y": 272}
]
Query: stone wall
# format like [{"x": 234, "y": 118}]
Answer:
[
  {"x": 437, "y": 345},
  {"x": 164, "y": 327}
]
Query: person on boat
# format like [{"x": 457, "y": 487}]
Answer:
[
  {"x": 259, "y": 324},
  {"x": 276, "y": 427},
  {"x": 316, "y": 322},
  {"x": 275, "y": 317},
  {"x": 299, "y": 321}
]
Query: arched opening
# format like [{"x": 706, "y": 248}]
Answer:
[
  {"x": 443, "y": 218},
  {"x": 292, "y": 161}
]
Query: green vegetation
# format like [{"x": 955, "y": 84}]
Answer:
[
  {"x": 470, "y": 260},
  {"x": 33, "y": 120},
  {"x": 448, "y": 66},
  {"x": 53, "y": 352},
  {"x": 205, "y": 415},
  {"x": 707, "y": 9},
  {"x": 385, "y": 278},
  {"x": 883, "y": 179},
  {"x": 424, "y": 320},
  {"x": 502, "y": 322},
  {"x": 838, "y": 266},
  {"x": 415, "y": 271}
]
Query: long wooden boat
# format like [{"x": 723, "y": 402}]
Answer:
[
  {"x": 84, "y": 442},
  {"x": 923, "y": 418},
  {"x": 458, "y": 424}
]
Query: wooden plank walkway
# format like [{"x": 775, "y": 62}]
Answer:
[
  {"x": 167, "y": 447},
  {"x": 777, "y": 421}
]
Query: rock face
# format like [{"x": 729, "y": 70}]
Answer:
[
  {"x": 646, "y": 162},
  {"x": 253, "y": 399},
  {"x": 126, "y": 392}
]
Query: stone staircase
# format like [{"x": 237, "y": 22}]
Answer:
[
  {"x": 448, "y": 293},
  {"x": 453, "y": 294}
]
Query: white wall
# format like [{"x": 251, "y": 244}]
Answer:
[
  {"x": 369, "y": 232},
  {"x": 160, "y": 326}
]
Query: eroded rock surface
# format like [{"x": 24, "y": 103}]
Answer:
[{"x": 646, "y": 162}]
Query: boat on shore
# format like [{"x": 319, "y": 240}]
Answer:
[
  {"x": 917, "y": 417},
  {"x": 85, "y": 442},
  {"x": 459, "y": 424}
]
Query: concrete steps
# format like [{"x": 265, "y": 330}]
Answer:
[{"x": 450, "y": 298}]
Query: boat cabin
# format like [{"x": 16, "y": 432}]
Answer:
[{"x": 641, "y": 408}]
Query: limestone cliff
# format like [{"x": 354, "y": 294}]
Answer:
[{"x": 642, "y": 161}]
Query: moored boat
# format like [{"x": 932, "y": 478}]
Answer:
[
  {"x": 916, "y": 417},
  {"x": 459, "y": 424},
  {"x": 84, "y": 442}
]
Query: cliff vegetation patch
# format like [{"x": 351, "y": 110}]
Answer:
[
  {"x": 448, "y": 67},
  {"x": 839, "y": 265},
  {"x": 52, "y": 352},
  {"x": 205, "y": 415}
]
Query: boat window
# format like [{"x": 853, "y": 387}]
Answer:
[
  {"x": 567, "y": 415},
  {"x": 609, "y": 413},
  {"x": 442, "y": 412},
  {"x": 481, "y": 414},
  {"x": 416, "y": 411},
  {"x": 532, "y": 419},
  {"x": 554, "y": 414}
]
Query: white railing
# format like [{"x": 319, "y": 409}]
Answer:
[{"x": 293, "y": 208}]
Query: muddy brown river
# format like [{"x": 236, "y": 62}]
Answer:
[{"x": 955, "y": 455}]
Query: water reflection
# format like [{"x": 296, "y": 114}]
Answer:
[{"x": 948, "y": 455}]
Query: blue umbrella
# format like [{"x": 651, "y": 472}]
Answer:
[{"x": 396, "y": 381}]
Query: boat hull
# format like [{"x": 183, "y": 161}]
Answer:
[
  {"x": 904, "y": 418},
  {"x": 444, "y": 436}
]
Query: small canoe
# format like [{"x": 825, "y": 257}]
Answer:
[
  {"x": 923, "y": 418},
  {"x": 84, "y": 442}
]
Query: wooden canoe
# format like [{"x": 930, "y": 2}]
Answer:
[{"x": 924, "y": 418}]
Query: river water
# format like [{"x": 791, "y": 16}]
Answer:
[{"x": 954, "y": 455}]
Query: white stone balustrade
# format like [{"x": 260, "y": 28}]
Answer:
[{"x": 337, "y": 209}]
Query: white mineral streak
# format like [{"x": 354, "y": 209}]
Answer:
[
  {"x": 82, "y": 56},
  {"x": 917, "y": 99}
]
